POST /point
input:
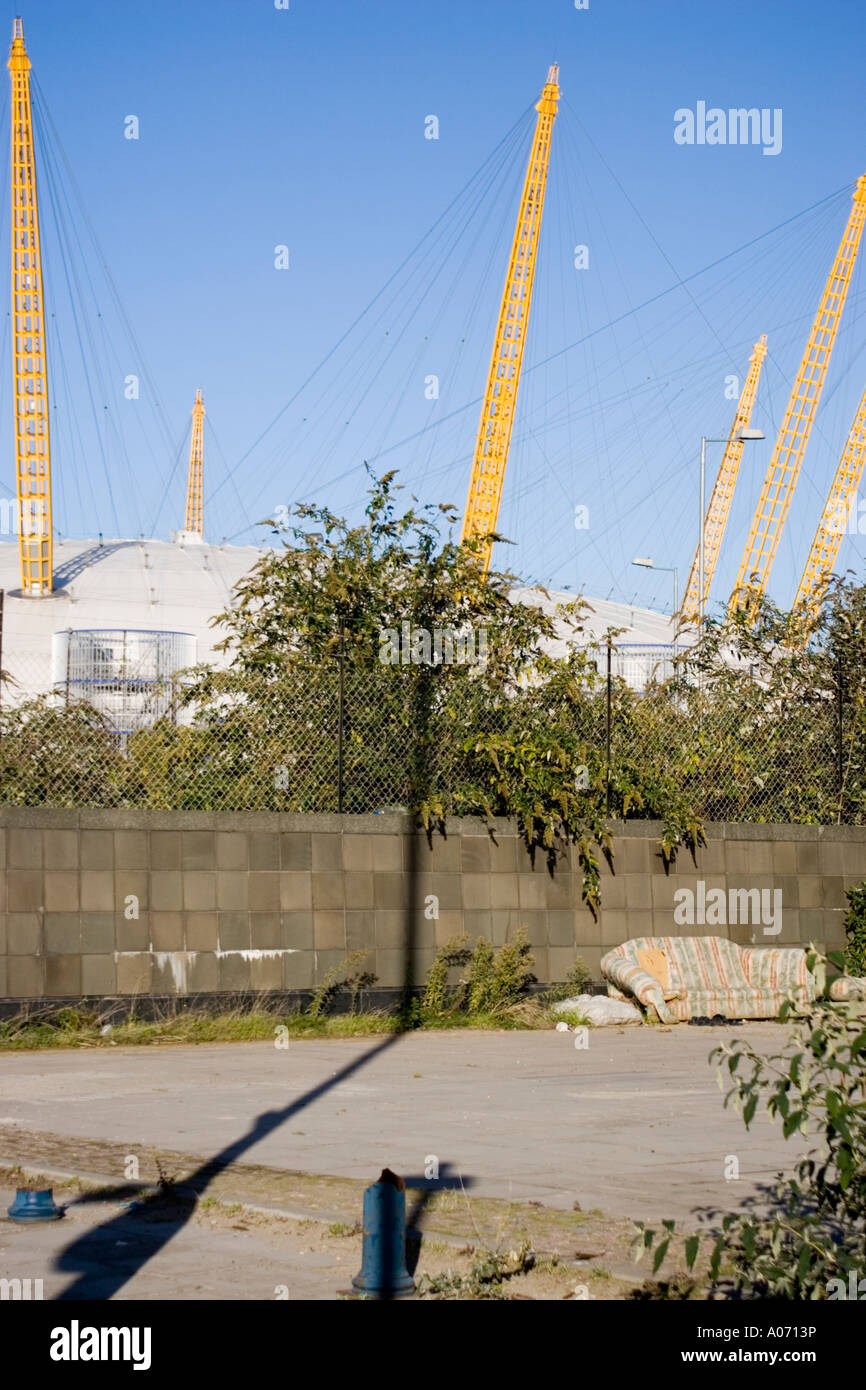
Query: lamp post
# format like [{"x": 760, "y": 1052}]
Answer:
[
  {"x": 742, "y": 436},
  {"x": 648, "y": 564}
]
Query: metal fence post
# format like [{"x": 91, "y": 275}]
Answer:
[
  {"x": 840, "y": 713},
  {"x": 607, "y": 802},
  {"x": 340, "y": 720}
]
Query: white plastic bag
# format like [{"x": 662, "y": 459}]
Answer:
[{"x": 599, "y": 1010}]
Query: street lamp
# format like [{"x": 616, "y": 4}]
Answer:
[
  {"x": 647, "y": 564},
  {"x": 742, "y": 436}
]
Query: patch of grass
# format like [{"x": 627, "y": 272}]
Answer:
[
  {"x": 255, "y": 1025},
  {"x": 345, "y": 1228},
  {"x": 569, "y": 1016},
  {"x": 81, "y": 1030}
]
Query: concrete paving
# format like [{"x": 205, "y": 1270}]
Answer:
[
  {"x": 634, "y": 1124},
  {"x": 201, "y": 1260}
]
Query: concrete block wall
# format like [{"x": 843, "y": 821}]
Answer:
[{"x": 99, "y": 903}]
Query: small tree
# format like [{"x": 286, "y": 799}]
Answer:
[{"x": 811, "y": 1244}]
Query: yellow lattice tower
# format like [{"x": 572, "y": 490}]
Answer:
[
  {"x": 831, "y": 527},
  {"x": 194, "y": 487},
  {"x": 29, "y": 368},
  {"x": 720, "y": 502},
  {"x": 500, "y": 396},
  {"x": 784, "y": 466}
]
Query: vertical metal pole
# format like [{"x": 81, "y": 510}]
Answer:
[
  {"x": 340, "y": 719},
  {"x": 608, "y": 727},
  {"x": 2, "y": 601},
  {"x": 701, "y": 533},
  {"x": 840, "y": 708},
  {"x": 676, "y": 613},
  {"x": 68, "y": 657}
]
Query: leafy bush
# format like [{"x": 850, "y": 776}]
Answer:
[
  {"x": 576, "y": 981},
  {"x": 347, "y": 974},
  {"x": 456, "y": 951},
  {"x": 494, "y": 981},
  {"x": 813, "y": 1238},
  {"x": 482, "y": 983},
  {"x": 855, "y": 930}
]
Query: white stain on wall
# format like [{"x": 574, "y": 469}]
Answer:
[{"x": 179, "y": 962}]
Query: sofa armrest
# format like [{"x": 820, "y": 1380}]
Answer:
[
  {"x": 778, "y": 967},
  {"x": 631, "y": 978},
  {"x": 846, "y": 987}
]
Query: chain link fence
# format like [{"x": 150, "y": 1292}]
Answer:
[{"x": 335, "y": 738}]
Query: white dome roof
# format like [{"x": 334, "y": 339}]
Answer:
[
  {"x": 117, "y": 584},
  {"x": 163, "y": 586}
]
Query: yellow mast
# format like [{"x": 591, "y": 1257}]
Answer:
[
  {"x": 194, "y": 498},
  {"x": 723, "y": 492},
  {"x": 831, "y": 527},
  {"x": 784, "y": 466},
  {"x": 30, "y": 377},
  {"x": 497, "y": 412}
]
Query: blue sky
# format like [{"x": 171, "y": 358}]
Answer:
[{"x": 305, "y": 127}]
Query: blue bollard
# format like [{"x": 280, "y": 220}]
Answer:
[
  {"x": 34, "y": 1206},
  {"x": 383, "y": 1258}
]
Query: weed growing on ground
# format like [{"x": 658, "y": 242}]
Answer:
[{"x": 486, "y": 1280}]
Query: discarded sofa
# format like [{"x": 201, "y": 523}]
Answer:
[{"x": 683, "y": 977}]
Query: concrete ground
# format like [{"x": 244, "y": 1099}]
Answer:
[
  {"x": 219, "y": 1255},
  {"x": 634, "y": 1124}
]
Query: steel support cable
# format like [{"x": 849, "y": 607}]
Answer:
[
  {"x": 371, "y": 303},
  {"x": 78, "y": 314},
  {"x": 93, "y": 363},
  {"x": 652, "y": 299},
  {"x": 548, "y": 453},
  {"x": 474, "y": 197},
  {"x": 114, "y": 293},
  {"x": 212, "y": 438},
  {"x": 473, "y": 403},
  {"x": 57, "y": 164},
  {"x": 488, "y": 208},
  {"x": 55, "y": 151},
  {"x": 480, "y": 294},
  {"x": 635, "y": 318},
  {"x": 725, "y": 348},
  {"x": 647, "y": 227},
  {"x": 64, "y": 422},
  {"x": 484, "y": 204},
  {"x": 427, "y": 277},
  {"x": 599, "y": 421},
  {"x": 473, "y": 190}
]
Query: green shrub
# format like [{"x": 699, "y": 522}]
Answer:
[
  {"x": 811, "y": 1240},
  {"x": 346, "y": 975},
  {"x": 576, "y": 981},
  {"x": 492, "y": 983},
  {"x": 855, "y": 930},
  {"x": 482, "y": 983},
  {"x": 512, "y": 972},
  {"x": 436, "y": 998}
]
